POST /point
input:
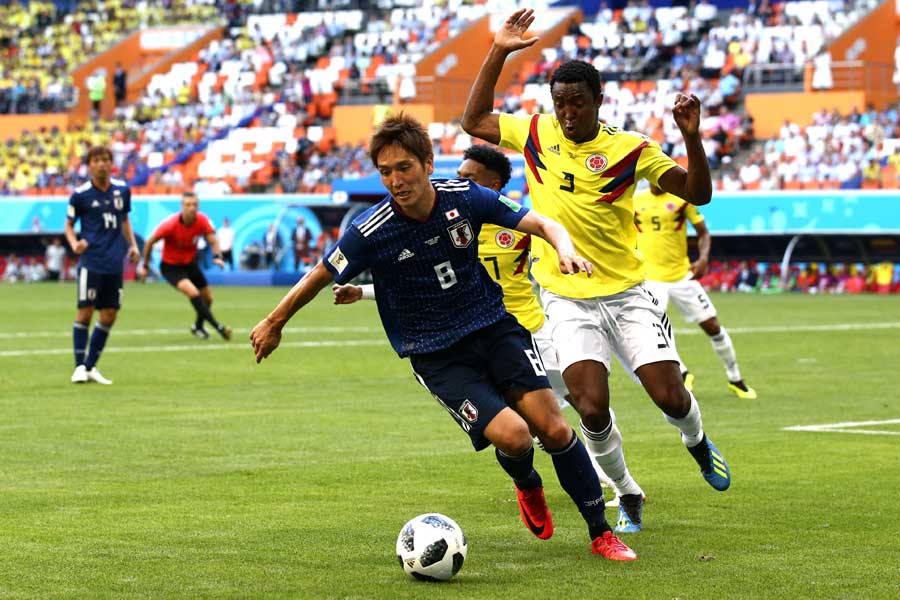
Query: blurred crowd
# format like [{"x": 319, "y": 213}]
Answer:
[{"x": 812, "y": 278}]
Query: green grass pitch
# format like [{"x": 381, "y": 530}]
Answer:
[{"x": 200, "y": 474}]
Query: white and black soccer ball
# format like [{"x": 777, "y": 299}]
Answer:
[{"x": 431, "y": 547}]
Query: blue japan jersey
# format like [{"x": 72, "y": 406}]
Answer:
[
  {"x": 431, "y": 289},
  {"x": 101, "y": 215}
]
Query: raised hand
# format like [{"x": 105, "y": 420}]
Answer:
[
  {"x": 687, "y": 114},
  {"x": 511, "y": 35}
]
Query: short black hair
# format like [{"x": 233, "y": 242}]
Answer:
[
  {"x": 404, "y": 131},
  {"x": 574, "y": 71},
  {"x": 492, "y": 159}
]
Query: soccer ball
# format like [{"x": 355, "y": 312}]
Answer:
[{"x": 431, "y": 547}]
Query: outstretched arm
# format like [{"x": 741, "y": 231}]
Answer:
[
  {"x": 266, "y": 336},
  {"x": 557, "y": 236},
  {"x": 479, "y": 120},
  {"x": 695, "y": 184}
]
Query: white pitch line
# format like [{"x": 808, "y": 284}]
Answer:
[
  {"x": 65, "y": 333},
  {"x": 843, "y": 427},
  {"x": 121, "y": 332},
  {"x": 799, "y": 328},
  {"x": 324, "y": 329},
  {"x": 196, "y": 348}
]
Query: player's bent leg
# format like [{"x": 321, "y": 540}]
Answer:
[
  {"x": 511, "y": 438},
  {"x": 574, "y": 470},
  {"x": 724, "y": 348},
  {"x": 663, "y": 383}
]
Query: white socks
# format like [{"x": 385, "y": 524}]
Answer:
[
  {"x": 606, "y": 449},
  {"x": 690, "y": 425},
  {"x": 725, "y": 349}
]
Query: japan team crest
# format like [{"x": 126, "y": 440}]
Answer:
[
  {"x": 505, "y": 238},
  {"x": 461, "y": 234},
  {"x": 596, "y": 163},
  {"x": 117, "y": 200},
  {"x": 468, "y": 412}
]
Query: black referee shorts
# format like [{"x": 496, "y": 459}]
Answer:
[{"x": 175, "y": 273}]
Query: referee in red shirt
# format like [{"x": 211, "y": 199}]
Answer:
[{"x": 180, "y": 233}]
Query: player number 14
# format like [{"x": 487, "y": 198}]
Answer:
[{"x": 110, "y": 220}]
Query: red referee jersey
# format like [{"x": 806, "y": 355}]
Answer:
[{"x": 180, "y": 240}]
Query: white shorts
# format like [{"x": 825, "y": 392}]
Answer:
[
  {"x": 629, "y": 324},
  {"x": 551, "y": 363},
  {"x": 687, "y": 295}
]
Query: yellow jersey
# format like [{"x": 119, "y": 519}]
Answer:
[
  {"x": 588, "y": 188},
  {"x": 504, "y": 254},
  {"x": 661, "y": 223}
]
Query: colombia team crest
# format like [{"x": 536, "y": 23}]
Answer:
[
  {"x": 461, "y": 234},
  {"x": 596, "y": 163},
  {"x": 505, "y": 238}
]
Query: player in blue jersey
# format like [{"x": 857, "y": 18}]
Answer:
[
  {"x": 102, "y": 205},
  {"x": 440, "y": 308}
]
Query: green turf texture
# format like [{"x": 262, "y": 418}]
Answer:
[{"x": 200, "y": 474}]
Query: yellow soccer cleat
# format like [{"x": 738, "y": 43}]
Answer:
[
  {"x": 688, "y": 379},
  {"x": 741, "y": 390}
]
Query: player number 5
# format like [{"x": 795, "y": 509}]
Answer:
[{"x": 446, "y": 276}]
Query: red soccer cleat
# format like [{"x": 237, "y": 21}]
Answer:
[
  {"x": 611, "y": 547},
  {"x": 535, "y": 512}
]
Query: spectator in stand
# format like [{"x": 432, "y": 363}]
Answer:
[
  {"x": 13, "y": 270},
  {"x": 884, "y": 277},
  {"x": 747, "y": 277},
  {"x": 271, "y": 246},
  {"x": 97, "y": 90},
  {"x": 54, "y": 259},
  {"x": 226, "y": 242},
  {"x": 706, "y": 12},
  {"x": 301, "y": 237},
  {"x": 120, "y": 84}
]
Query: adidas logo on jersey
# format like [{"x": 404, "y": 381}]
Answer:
[
  {"x": 554, "y": 149},
  {"x": 95, "y": 204},
  {"x": 404, "y": 255}
]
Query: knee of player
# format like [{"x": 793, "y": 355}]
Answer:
[
  {"x": 515, "y": 439},
  {"x": 674, "y": 397},
  {"x": 556, "y": 434}
]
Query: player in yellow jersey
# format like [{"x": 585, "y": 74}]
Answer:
[
  {"x": 661, "y": 220},
  {"x": 582, "y": 173},
  {"x": 504, "y": 254}
]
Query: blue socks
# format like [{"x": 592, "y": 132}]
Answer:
[
  {"x": 98, "y": 341},
  {"x": 577, "y": 476},
  {"x": 520, "y": 468},
  {"x": 79, "y": 341}
]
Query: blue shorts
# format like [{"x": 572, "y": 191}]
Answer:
[
  {"x": 100, "y": 290},
  {"x": 469, "y": 377}
]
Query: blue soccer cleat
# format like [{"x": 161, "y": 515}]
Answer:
[
  {"x": 631, "y": 508},
  {"x": 712, "y": 464}
]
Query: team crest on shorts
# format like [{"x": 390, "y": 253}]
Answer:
[
  {"x": 468, "y": 411},
  {"x": 461, "y": 234},
  {"x": 596, "y": 163},
  {"x": 505, "y": 238}
]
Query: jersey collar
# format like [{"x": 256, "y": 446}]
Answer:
[{"x": 399, "y": 210}]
